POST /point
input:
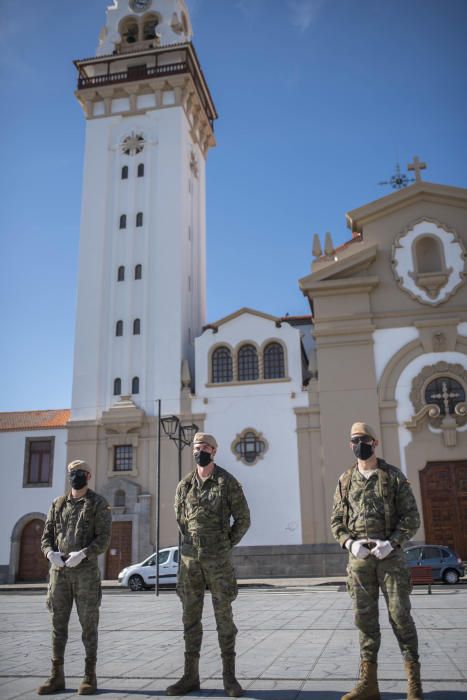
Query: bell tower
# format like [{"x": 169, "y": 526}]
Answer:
[{"x": 141, "y": 281}]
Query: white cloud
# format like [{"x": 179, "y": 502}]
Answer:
[{"x": 302, "y": 12}]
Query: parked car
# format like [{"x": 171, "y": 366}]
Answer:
[
  {"x": 445, "y": 563},
  {"x": 137, "y": 577}
]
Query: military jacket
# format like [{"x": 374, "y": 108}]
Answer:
[
  {"x": 75, "y": 524},
  {"x": 212, "y": 512},
  {"x": 380, "y": 507}
]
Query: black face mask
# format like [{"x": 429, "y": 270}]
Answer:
[
  {"x": 363, "y": 450},
  {"x": 203, "y": 458},
  {"x": 78, "y": 479}
]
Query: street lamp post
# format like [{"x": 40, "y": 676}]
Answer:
[{"x": 182, "y": 434}]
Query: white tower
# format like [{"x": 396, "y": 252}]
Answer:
[{"x": 141, "y": 282}]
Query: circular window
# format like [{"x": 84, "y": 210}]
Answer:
[
  {"x": 133, "y": 144},
  {"x": 249, "y": 446},
  {"x": 446, "y": 393}
]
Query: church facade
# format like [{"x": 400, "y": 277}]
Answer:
[{"x": 385, "y": 341}]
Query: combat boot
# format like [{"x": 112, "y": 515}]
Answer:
[
  {"x": 414, "y": 683},
  {"x": 232, "y": 687},
  {"x": 367, "y": 686},
  {"x": 88, "y": 685},
  {"x": 56, "y": 680},
  {"x": 190, "y": 679}
]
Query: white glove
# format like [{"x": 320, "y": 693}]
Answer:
[
  {"x": 55, "y": 559},
  {"x": 382, "y": 549},
  {"x": 75, "y": 558},
  {"x": 357, "y": 548}
]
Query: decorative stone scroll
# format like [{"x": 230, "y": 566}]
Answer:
[{"x": 438, "y": 396}]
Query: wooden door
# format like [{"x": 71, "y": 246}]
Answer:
[
  {"x": 119, "y": 553},
  {"x": 444, "y": 496},
  {"x": 33, "y": 566}
]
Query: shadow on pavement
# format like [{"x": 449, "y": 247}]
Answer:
[
  {"x": 445, "y": 695},
  {"x": 128, "y": 692},
  {"x": 280, "y": 694}
]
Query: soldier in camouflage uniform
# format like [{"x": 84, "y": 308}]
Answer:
[
  {"x": 213, "y": 515},
  {"x": 374, "y": 514},
  {"x": 77, "y": 529}
]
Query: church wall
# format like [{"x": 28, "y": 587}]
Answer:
[
  {"x": 95, "y": 443},
  {"x": 387, "y": 342},
  {"x": 169, "y": 299},
  {"x": 427, "y": 443},
  {"x": 347, "y": 393},
  {"x": 18, "y": 500},
  {"x": 373, "y": 338},
  {"x": 390, "y": 304},
  {"x": 272, "y": 484},
  {"x": 401, "y": 352},
  {"x": 92, "y": 269}
]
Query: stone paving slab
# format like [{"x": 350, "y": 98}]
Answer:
[{"x": 294, "y": 643}]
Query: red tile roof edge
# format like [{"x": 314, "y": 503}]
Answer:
[{"x": 16, "y": 421}]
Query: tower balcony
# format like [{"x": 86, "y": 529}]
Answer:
[{"x": 145, "y": 69}]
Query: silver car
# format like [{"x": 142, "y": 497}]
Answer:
[
  {"x": 445, "y": 563},
  {"x": 137, "y": 577}
]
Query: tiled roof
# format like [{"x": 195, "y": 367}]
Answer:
[
  {"x": 34, "y": 420},
  {"x": 356, "y": 237}
]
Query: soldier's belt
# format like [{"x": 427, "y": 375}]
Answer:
[{"x": 204, "y": 540}]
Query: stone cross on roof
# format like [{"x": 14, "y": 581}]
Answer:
[{"x": 416, "y": 166}]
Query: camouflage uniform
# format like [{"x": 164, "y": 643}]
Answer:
[
  {"x": 204, "y": 512},
  {"x": 381, "y": 507},
  {"x": 72, "y": 525}
]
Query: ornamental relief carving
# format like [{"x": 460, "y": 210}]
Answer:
[
  {"x": 438, "y": 397},
  {"x": 428, "y": 261}
]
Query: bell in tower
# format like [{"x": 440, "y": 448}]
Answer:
[{"x": 134, "y": 25}]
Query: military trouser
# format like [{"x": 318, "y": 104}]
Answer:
[
  {"x": 83, "y": 585},
  {"x": 366, "y": 577},
  {"x": 217, "y": 573}
]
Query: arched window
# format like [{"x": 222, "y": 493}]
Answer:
[
  {"x": 125, "y": 172},
  {"x": 119, "y": 328},
  {"x": 121, "y": 274},
  {"x": 428, "y": 253},
  {"x": 446, "y": 393},
  {"x": 138, "y": 272},
  {"x": 139, "y": 218},
  {"x": 149, "y": 28},
  {"x": 123, "y": 221},
  {"x": 129, "y": 31},
  {"x": 137, "y": 326},
  {"x": 247, "y": 363},
  {"x": 273, "y": 360},
  {"x": 135, "y": 385},
  {"x": 141, "y": 170},
  {"x": 117, "y": 386},
  {"x": 221, "y": 368},
  {"x": 119, "y": 498}
]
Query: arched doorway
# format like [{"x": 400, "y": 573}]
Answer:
[
  {"x": 444, "y": 497},
  {"x": 33, "y": 566}
]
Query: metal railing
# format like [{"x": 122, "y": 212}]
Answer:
[{"x": 137, "y": 73}]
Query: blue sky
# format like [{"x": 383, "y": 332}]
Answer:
[{"x": 317, "y": 99}]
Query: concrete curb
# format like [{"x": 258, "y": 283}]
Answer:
[{"x": 261, "y": 583}]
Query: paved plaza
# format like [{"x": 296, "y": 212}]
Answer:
[{"x": 294, "y": 643}]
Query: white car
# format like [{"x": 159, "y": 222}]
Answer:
[{"x": 137, "y": 577}]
